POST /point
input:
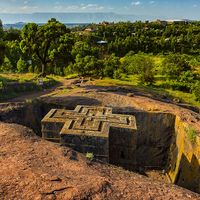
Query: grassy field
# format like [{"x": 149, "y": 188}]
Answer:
[
  {"x": 29, "y": 83},
  {"x": 134, "y": 82},
  {"x": 13, "y": 85}
]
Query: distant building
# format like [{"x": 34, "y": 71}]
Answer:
[
  {"x": 172, "y": 21},
  {"x": 161, "y": 22},
  {"x": 89, "y": 30},
  {"x": 102, "y": 42},
  {"x": 105, "y": 23},
  {"x": 177, "y": 21}
]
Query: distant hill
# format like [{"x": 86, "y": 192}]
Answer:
[
  {"x": 71, "y": 17},
  {"x": 20, "y": 25}
]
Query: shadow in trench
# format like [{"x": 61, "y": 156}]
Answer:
[{"x": 189, "y": 174}]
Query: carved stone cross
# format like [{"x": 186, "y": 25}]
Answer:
[{"x": 92, "y": 129}]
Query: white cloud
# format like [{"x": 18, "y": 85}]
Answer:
[
  {"x": 20, "y": 9},
  {"x": 151, "y": 2},
  {"x": 84, "y": 7},
  {"x": 91, "y": 7},
  {"x": 195, "y": 6},
  {"x": 136, "y": 3}
]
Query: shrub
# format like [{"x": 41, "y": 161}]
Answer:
[
  {"x": 191, "y": 133},
  {"x": 187, "y": 77},
  {"x": 1, "y": 85},
  {"x": 30, "y": 69},
  {"x": 68, "y": 70},
  {"x": 175, "y": 85},
  {"x": 7, "y": 66},
  {"x": 90, "y": 156},
  {"x": 196, "y": 90},
  {"x": 117, "y": 74},
  {"x": 21, "y": 65}
]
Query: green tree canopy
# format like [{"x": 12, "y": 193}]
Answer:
[
  {"x": 2, "y": 51},
  {"x": 13, "y": 53},
  {"x": 140, "y": 64},
  {"x": 2, "y": 44},
  {"x": 87, "y": 66},
  {"x": 174, "y": 64},
  {"x": 111, "y": 64},
  {"x": 42, "y": 41},
  {"x": 12, "y": 34}
]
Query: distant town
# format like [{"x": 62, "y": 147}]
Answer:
[{"x": 19, "y": 25}]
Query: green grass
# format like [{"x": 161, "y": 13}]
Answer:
[
  {"x": 10, "y": 77},
  {"x": 25, "y": 83},
  {"x": 133, "y": 81},
  {"x": 21, "y": 78},
  {"x": 129, "y": 81},
  {"x": 71, "y": 76}
]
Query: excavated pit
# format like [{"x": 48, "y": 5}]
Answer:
[{"x": 160, "y": 141}]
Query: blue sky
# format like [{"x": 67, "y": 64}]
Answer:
[{"x": 167, "y": 8}]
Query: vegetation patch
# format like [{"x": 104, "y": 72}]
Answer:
[
  {"x": 12, "y": 86},
  {"x": 192, "y": 134},
  {"x": 89, "y": 156},
  {"x": 152, "y": 56}
]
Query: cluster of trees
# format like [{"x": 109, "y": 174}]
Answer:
[
  {"x": 150, "y": 37},
  {"x": 36, "y": 48},
  {"x": 175, "y": 71},
  {"x": 53, "y": 48}
]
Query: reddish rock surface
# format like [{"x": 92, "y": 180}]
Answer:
[{"x": 32, "y": 168}]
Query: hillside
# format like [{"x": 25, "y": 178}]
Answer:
[{"x": 78, "y": 17}]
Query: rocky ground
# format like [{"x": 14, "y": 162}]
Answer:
[
  {"x": 32, "y": 168},
  {"x": 126, "y": 98}
]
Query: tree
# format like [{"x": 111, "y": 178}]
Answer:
[
  {"x": 2, "y": 44},
  {"x": 13, "y": 53},
  {"x": 2, "y": 51},
  {"x": 12, "y": 35},
  {"x": 88, "y": 66},
  {"x": 173, "y": 65},
  {"x": 140, "y": 64},
  {"x": 1, "y": 30},
  {"x": 61, "y": 56},
  {"x": 145, "y": 69},
  {"x": 83, "y": 49},
  {"x": 42, "y": 41},
  {"x": 111, "y": 65}
]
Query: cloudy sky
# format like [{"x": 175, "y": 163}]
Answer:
[{"x": 168, "y": 8}]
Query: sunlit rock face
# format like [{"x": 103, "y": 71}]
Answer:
[{"x": 158, "y": 140}]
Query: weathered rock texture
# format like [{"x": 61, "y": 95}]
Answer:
[
  {"x": 93, "y": 129},
  {"x": 32, "y": 168},
  {"x": 184, "y": 166},
  {"x": 163, "y": 124}
]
